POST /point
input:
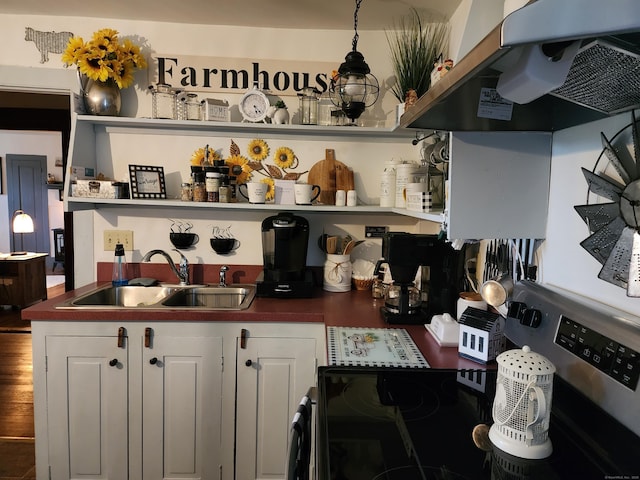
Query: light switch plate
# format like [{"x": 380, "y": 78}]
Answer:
[{"x": 113, "y": 237}]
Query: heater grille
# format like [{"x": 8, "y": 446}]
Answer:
[{"x": 603, "y": 77}]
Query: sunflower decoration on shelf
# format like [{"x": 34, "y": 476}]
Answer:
[
  {"x": 205, "y": 156},
  {"x": 284, "y": 160}
]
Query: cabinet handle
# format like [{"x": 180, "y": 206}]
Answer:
[
  {"x": 153, "y": 361},
  {"x": 248, "y": 363},
  {"x": 148, "y": 334},
  {"x": 113, "y": 362},
  {"x": 244, "y": 333},
  {"x": 122, "y": 333}
]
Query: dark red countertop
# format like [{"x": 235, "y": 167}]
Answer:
[{"x": 347, "y": 309}]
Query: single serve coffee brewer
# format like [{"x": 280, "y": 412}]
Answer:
[
  {"x": 285, "y": 238},
  {"x": 405, "y": 253}
]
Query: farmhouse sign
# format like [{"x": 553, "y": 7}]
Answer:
[{"x": 236, "y": 75}]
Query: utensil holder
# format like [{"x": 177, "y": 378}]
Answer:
[{"x": 337, "y": 273}]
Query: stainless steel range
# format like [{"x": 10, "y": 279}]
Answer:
[{"x": 417, "y": 423}]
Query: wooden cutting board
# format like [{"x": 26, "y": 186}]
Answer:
[{"x": 331, "y": 175}]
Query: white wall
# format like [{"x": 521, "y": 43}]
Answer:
[
  {"x": 20, "y": 69},
  {"x": 564, "y": 263},
  {"x": 48, "y": 144}
]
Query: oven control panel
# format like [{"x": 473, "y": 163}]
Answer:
[
  {"x": 594, "y": 347},
  {"x": 613, "y": 358}
]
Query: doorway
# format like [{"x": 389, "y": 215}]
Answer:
[
  {"x": 42, "y": 111},
  {"x": 27, "y": 191}
]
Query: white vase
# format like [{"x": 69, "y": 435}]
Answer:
[{"x": 281, "y": 116}]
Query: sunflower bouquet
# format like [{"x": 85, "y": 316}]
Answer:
[{"x": 104, "y": 57}]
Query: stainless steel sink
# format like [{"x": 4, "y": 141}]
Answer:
[
  {"x": 206, "y": 297},
  {"x": 236, "y": 297}
]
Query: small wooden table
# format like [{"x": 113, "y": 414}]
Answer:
[{"x": 23, "y": 279}]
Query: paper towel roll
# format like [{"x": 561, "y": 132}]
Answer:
[{"x": 535, "y": 74}]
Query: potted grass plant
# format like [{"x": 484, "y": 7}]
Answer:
[{"x": 415, "y": 45}]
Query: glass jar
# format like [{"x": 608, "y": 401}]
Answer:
[
  {"x": 163, "y": 103},
  {"x": 308, "y": 106},
  {"x": 199, "y": 189},
  {"x": 233, "y": 189},
  {"x": 193, "y": 107},
  {"x": 212, "y": 186},
  {"x": 325, "y": 106},
  {"x": 186, "y": 192},
  {"x": 378, "y": 289},
  {"x": 225, "y": 191}
]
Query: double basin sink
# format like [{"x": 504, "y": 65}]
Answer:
[{"x": 204, "y": 297}]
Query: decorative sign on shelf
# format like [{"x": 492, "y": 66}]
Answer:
[
  {"x": 236, "y": 75},
  {"x": 147, "y": 182}
]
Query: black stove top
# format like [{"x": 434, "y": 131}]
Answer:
[{"x": 388, "y": 423}]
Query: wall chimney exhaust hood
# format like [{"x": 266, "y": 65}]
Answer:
[{"x": 549, "y": 65}]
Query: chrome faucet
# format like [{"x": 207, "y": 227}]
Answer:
[
  {"x": 182, "y": 274},
  {"x": 223, "y": 275}
]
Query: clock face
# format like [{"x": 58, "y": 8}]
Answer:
[
  {"x": 612, "y": 213},
  {"x": 254, "y": 105}
]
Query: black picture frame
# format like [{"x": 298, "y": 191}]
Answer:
[{"x": 147, "y": 182}]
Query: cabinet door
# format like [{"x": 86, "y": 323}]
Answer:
[
  {"x": 273, "y": 375},
  {"x": 182, "y": 408},
  {"x": 87, "y": 408}
]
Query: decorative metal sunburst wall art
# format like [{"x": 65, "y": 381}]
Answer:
[{"x": 612, "y": 211}]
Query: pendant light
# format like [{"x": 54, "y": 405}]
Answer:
[{"x": 354, "y": 88}]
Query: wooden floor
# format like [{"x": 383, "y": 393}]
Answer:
[{"x": 17, "y": 460}]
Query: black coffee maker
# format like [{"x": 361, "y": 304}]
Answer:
[
  {"x": 285, "y": 238},
  {"x": 405, "y": 253}
]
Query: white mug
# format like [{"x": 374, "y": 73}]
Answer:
[
  {"x": 469, "y": 299},
  {"x": 256, "y": 192},
  {"x": 306, "y": 193}
]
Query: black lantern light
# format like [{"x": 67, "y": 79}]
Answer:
[{"x": 354, "y": 87}]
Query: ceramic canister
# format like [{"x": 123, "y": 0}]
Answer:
[{"x": 404, "y": 174}]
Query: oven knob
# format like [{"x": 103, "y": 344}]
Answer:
[
  {"x": 531, "y": 318},
  {"x": 516, "y": 310}
]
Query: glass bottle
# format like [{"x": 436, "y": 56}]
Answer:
[{"x": 119, "y": 275}]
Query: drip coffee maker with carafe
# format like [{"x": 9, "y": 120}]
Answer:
[
  {"x": 285, "y": 238},
  {"x": 405, "y": 253}
]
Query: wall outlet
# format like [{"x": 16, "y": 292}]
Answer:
[{"x": 112, "y": 237}]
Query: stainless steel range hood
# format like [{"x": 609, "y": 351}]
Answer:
[{"x": 603, "y": 76}]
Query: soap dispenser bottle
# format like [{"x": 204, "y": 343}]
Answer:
[{"x": 119, "y": 276}]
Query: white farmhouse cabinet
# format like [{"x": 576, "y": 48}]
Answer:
[
  {"x": 145, "y": 405},
  {"x": 169, "y": 399},
  {"x": 87, "y": 398},
  {"x": 273, "y": 375},
  {"x": 181, "y": 408}
]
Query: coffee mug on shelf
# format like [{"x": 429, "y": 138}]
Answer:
[
  {"x": 223, "y": 246},
  {"x": 255, "y": 192},
  {"x": 306, "y": 193}
]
